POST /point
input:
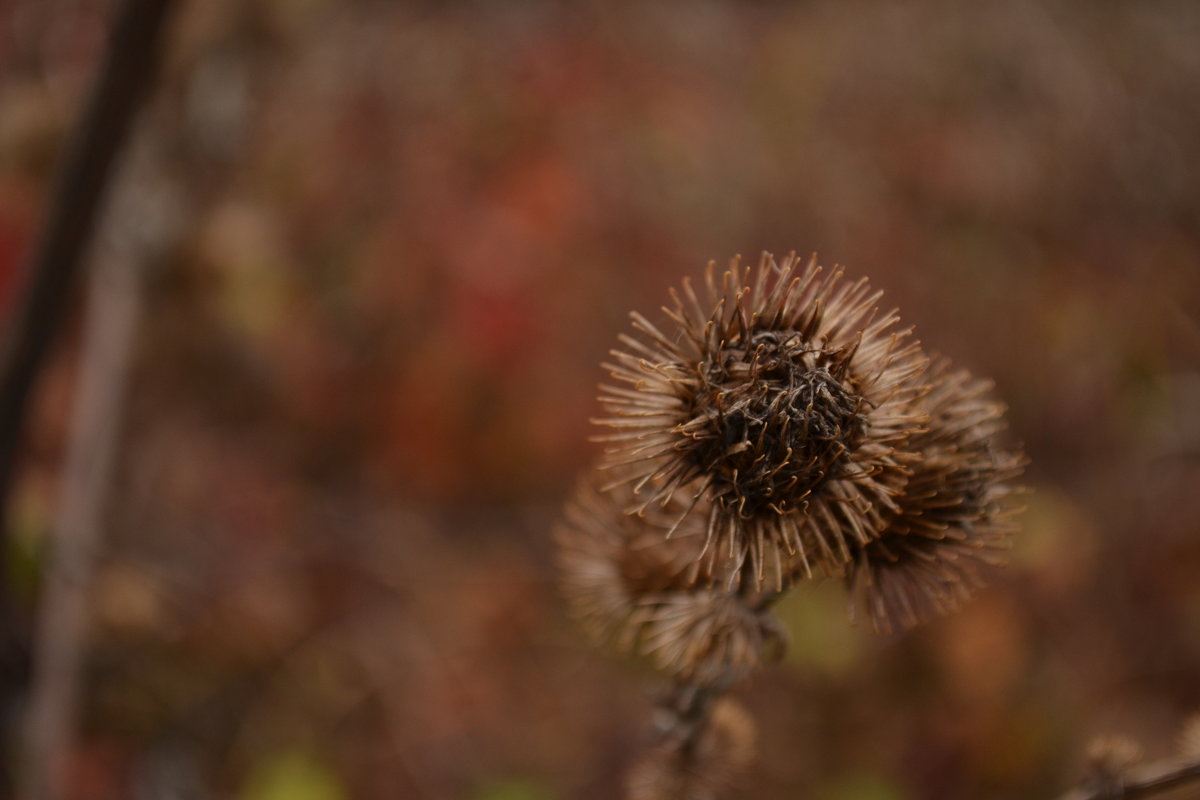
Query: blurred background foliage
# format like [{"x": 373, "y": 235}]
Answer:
[{"x": 385, "y": 246}]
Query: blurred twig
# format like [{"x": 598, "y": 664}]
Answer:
[
  {"x": 62, "y": 623},
  {"x": 1146, "y": 781},
  {"x": 127, "y": 71}
]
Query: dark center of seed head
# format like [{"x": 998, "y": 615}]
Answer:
[{"x": 778, "y": 420}]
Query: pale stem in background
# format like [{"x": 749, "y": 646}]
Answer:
[{"x": 114, "y": 300}]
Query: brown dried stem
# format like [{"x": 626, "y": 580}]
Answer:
[{"x": 706, "y": 741}]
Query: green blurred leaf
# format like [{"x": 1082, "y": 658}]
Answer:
[
  {"x": 819, "y": 628},
  {"x": 293, "y": 775},
  {"x": 26, "y": 547},
  {"x": 511, "y": 789},
  {"x": 861, "y": 787}
]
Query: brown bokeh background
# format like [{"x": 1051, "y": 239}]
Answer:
[{"x": 385, "y": 246}]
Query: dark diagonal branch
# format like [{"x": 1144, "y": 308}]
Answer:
[
  {"x": 71, "y": 217},
  {"x": 126, "y": 73}
]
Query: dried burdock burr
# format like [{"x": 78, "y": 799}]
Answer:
[
  {"x": 775, "y": 425},
  {"x": 953, "y": 519},
  {"x": 706, "y": 637},
  {"x": 609, "y": 560},
  {"x": 633, "y": 588},
  {"x": 779, "y": 399}
]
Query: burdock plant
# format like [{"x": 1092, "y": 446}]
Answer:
[{"x": 774, "y": 425}]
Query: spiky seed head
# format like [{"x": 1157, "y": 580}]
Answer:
[
  {"x": 780, "y": 398},
  {"x": 631, "y": 582},
  {"x": 706, "y": 637},
  {"x": 953, "y": 519},
  {"x": 609, "y": 560}
]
